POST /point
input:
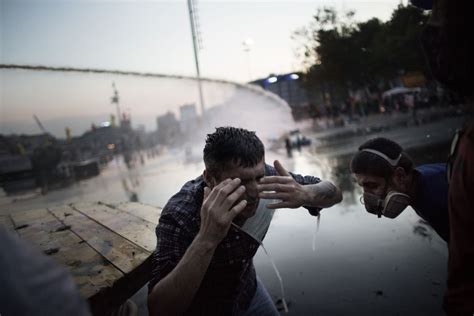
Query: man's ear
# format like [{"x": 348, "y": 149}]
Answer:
[{"x": 208, "y": 179}]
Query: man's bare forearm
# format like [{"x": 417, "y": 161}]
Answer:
[
  {"x": 175, "y": 292},
  {"x": 323, "y": 194}
]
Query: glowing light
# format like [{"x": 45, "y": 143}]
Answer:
[
  {"x": 105, "y": 124},
  {"x": 247, "y": 43},
  {"x": 272, "y": 79},
  {"x": 294, "y": 76}
]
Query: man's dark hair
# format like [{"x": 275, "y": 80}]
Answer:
[
  {"x": 231, "y": 146},
  {"x": 369, "y": 163}
]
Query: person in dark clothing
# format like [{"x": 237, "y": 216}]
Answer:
[
  {"x": 203, "y": 263},
  {"x": 459, "y": 297},
  {"x": 391, "y": 182},
  {"x": 448, "y": 44},
  {"x": 31, "y": 283}
]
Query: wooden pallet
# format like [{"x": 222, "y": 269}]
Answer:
[{"x": 106, "y": 248}]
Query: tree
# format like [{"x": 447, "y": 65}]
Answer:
[{"x": 340, "y": 55}]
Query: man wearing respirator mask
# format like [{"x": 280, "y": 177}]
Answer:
[{"x": 391, "y": 183}]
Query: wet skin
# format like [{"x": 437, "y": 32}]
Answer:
[{"x": 250, "y": 177}]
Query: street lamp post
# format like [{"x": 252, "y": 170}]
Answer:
[{"x": 195, "y": 34}]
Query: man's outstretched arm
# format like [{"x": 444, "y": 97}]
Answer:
[
  {"x": 323, "y": 194},
  {"x": 293, "y": 194},
  {"x": 173, "y": 294}
]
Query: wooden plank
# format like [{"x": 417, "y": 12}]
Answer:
[
  {"x": 135, "y": 229},
  {"x": 89, "y": 269},
  {"x": 146, "y": 212},
  {"x": 42, "y": 229},
  {"x": 112, "y": 297},
  {"x": 6, "y": 222},
  {"x": 91, "y": 272},
  {"x": 106, "y": 250},
  {"x": 122, "y": 253},
  {"x": 30, "y": 217}
]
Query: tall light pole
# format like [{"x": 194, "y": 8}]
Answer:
[{"x": 196, "y": 42}]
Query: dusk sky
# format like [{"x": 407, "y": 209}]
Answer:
[{"x": 153, "y": 36}]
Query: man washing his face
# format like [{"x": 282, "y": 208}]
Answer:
[{"x": 203, "y": 263}]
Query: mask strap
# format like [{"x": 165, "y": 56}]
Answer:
[
  {"x": 381, "y": 201},
  {"x": 285, "y": 306},
  {"x": 379, "y": 208},
  {"x": 392, "y": 162}
]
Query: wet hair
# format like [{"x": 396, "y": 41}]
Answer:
[
  {"x": 371, "y": 164},
  {"x": 232, "y": 147}
]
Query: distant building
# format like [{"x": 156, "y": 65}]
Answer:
[
  {"x": 289, "y": 88},
  {"x": 126, "y": 122},
  {"x": 168, "y": 128},
  {"x": 188, "y": 119}
]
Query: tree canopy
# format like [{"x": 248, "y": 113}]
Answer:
[{"x": 340, "y": 52}]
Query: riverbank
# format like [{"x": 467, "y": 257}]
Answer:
[{"x": 435, "y": 126}]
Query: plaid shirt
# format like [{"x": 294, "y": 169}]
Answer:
[{"x": 230, "y": 280}]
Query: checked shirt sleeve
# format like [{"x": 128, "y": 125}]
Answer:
[{"x": 173, "y": 239}]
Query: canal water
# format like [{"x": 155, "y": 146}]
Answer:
[{"x": 354, "y": 263}]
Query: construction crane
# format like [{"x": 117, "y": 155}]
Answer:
[{"x": 38, "y": 122}]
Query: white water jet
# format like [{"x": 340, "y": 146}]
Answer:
[{"x": 77, "y": 100}]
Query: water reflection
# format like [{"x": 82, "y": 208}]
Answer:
[{"x": 423, "y": 229}]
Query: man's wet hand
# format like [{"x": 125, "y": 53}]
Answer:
[
  {"x": 219, "y": 208},
  {"x": 284, "y": 188}
]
